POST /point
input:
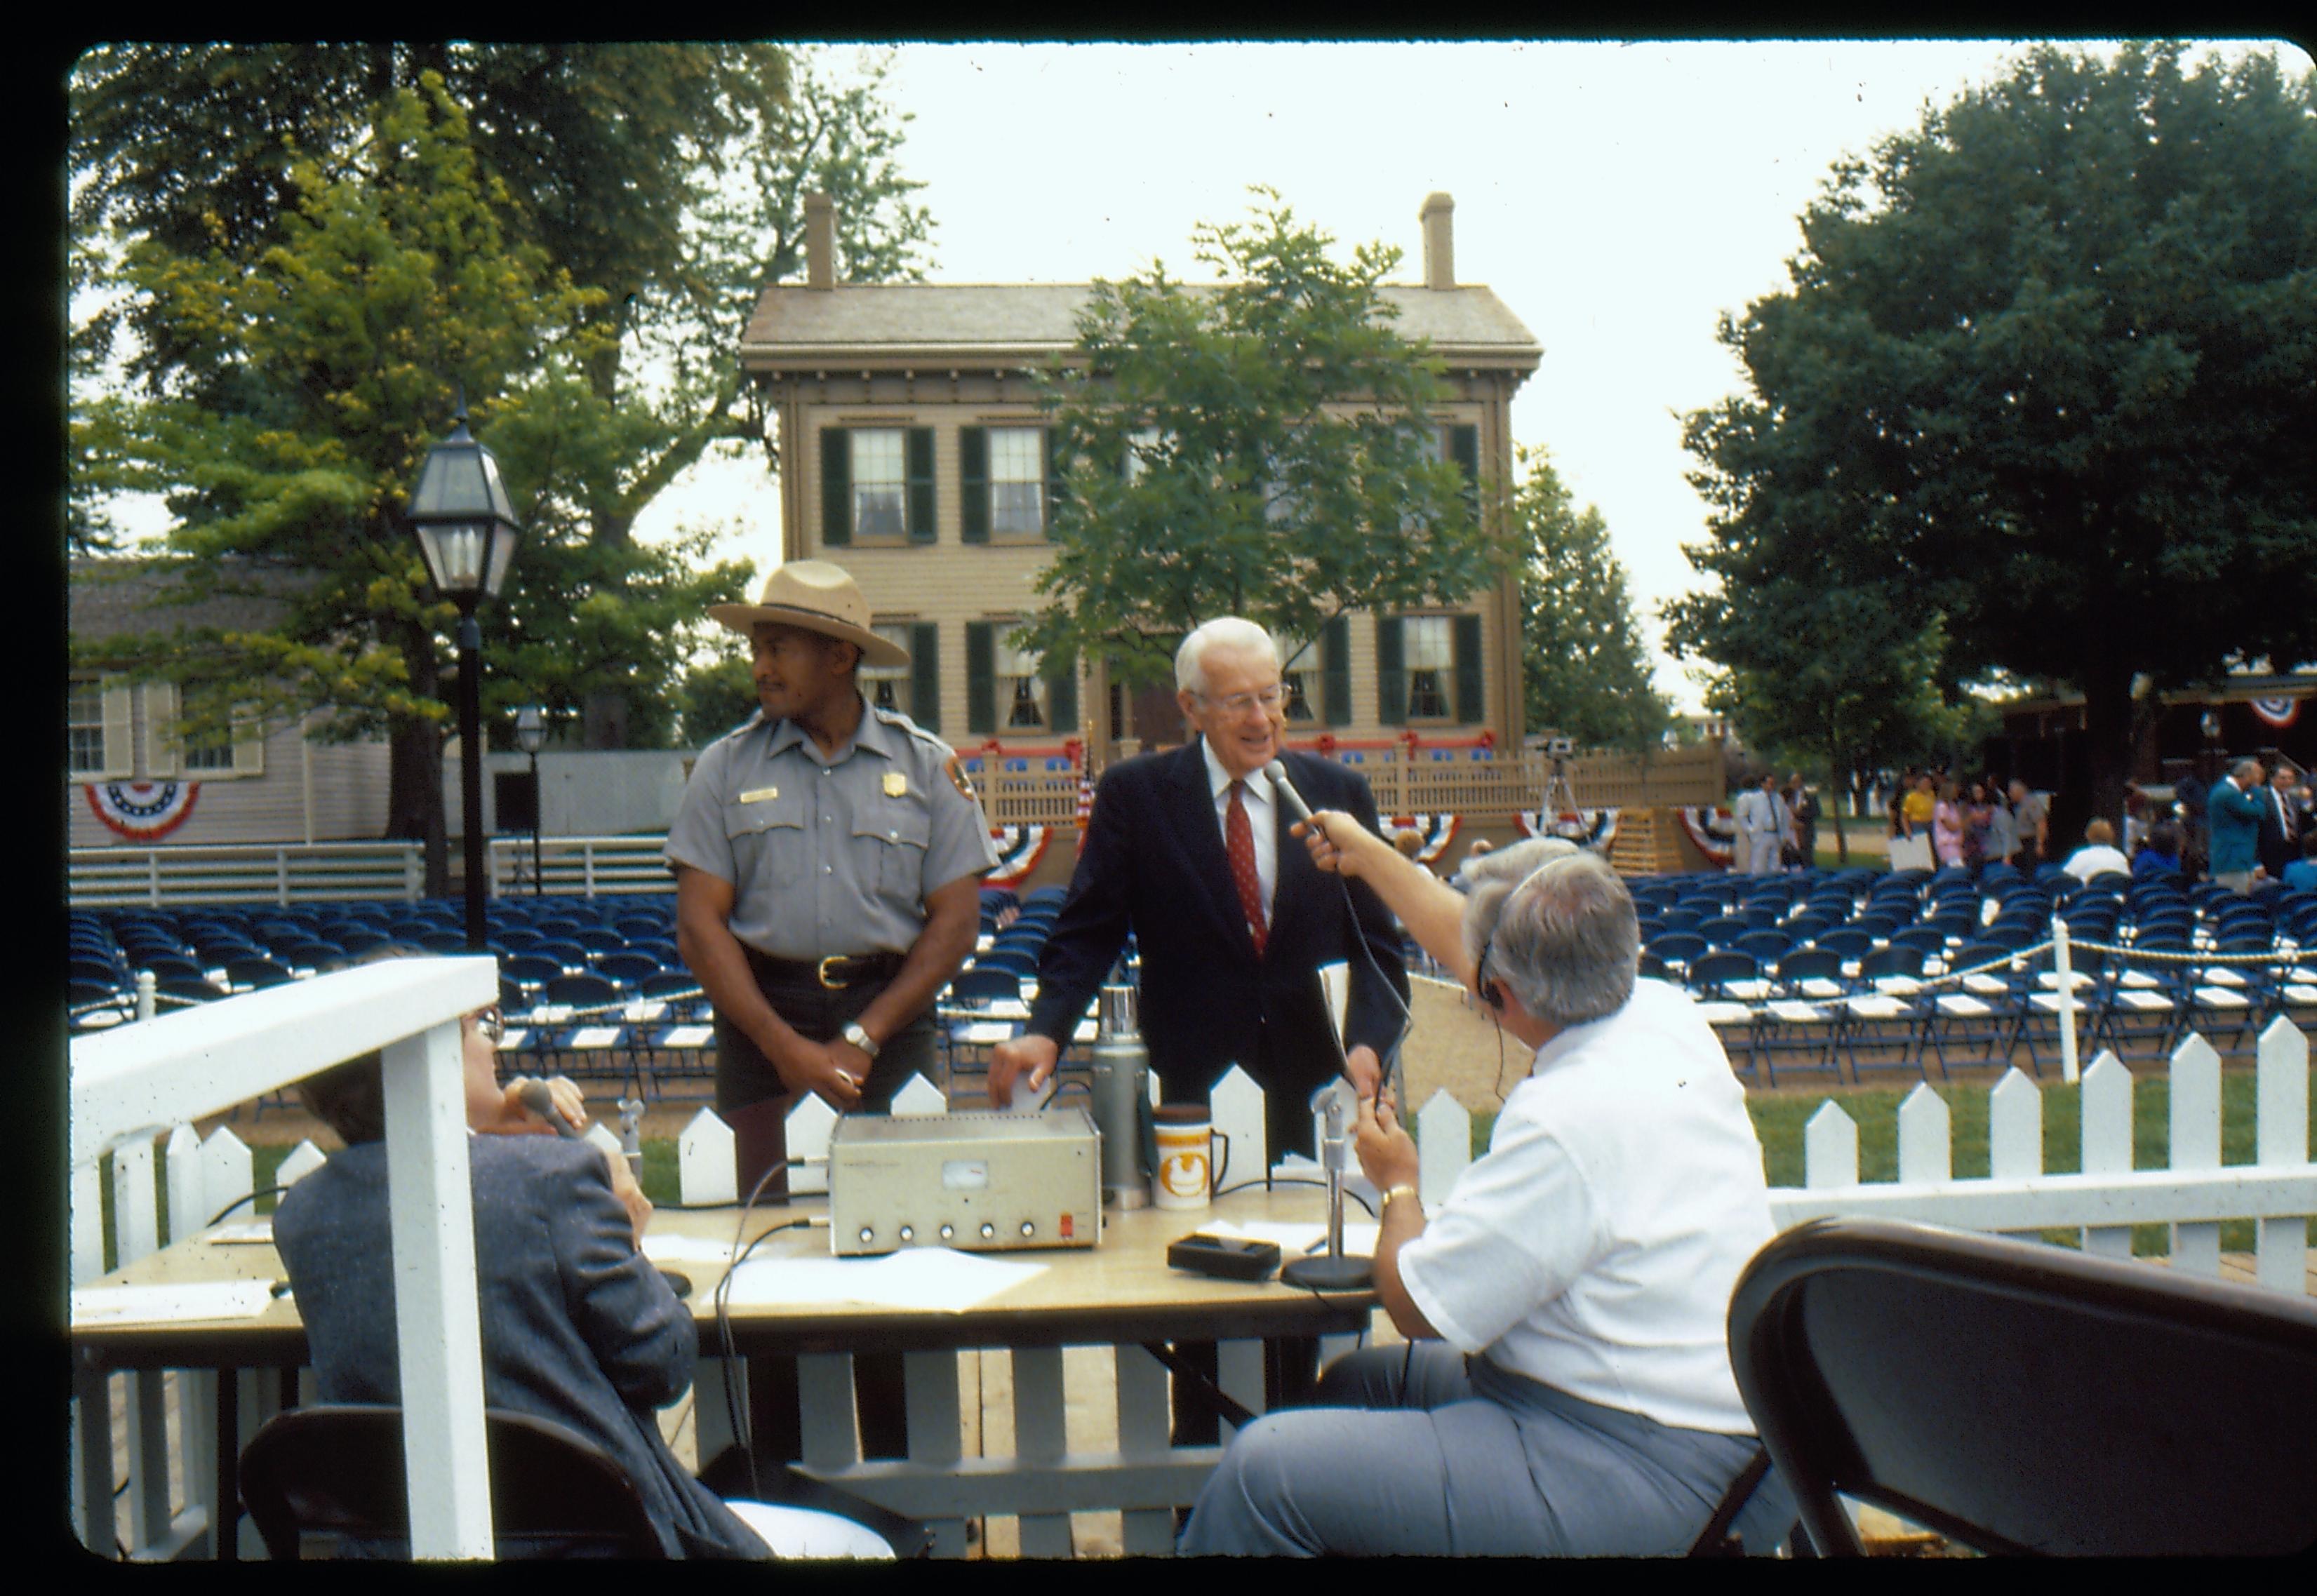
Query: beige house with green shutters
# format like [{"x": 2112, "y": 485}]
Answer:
[{"x": 914, "y": 453}]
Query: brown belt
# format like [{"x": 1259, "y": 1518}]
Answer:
[{"x": 833, "y": 974}]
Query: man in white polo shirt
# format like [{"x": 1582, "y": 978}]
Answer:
[{"x": 1566, "y": 1390}]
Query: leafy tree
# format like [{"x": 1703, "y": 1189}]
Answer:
[
  {"x": 326, "y": 358},
  {"x": 718, "y": 695},
  {"x": 1585, "y": 670},
  {"x": 669, "y": 177},
  {"x": 1826, "y": 678},
  {"x": 2047, "y": 370},
  {"x": 1265, "y": 447}
]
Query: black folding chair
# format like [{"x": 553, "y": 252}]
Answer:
[
  {"x": 2024, "y": 1398},
  {"x": 337, "y": 1470}
]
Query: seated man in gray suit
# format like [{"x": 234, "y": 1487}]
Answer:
[{"x": 577, "y": 1327}]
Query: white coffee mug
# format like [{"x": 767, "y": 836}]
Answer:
[{"x": 1186, "y": 1177}]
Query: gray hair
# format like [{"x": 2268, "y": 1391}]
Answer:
[
  {"x": 2248, "y": 769},
  {"x": 1228, "y": 631},
  {"x": 1560, "y": 928}
]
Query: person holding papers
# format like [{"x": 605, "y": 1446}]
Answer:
[
  {"x": 1567, "y": 1388},
  {"x": 578, "y": 1326}
]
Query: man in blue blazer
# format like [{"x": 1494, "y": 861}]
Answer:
[
  {"x": 578, "y": 1326},
  {"x": 2235, "y": 811},
  {"x": 1189, "y": 850}
]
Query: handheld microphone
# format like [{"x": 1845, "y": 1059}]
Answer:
[
  {"x": 539, "y": 1102},
  {"x": 1277, "y": 771}
]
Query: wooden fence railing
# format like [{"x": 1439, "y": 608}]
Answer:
[{"x": 244, "y": 873}]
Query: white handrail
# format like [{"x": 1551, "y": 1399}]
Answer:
[{"x": 182, "y": 1066}]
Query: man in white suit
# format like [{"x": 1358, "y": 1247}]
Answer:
[{"x": 1762, "y": 823}]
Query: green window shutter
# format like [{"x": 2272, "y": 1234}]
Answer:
[
  {"x": 1464, "y": 449},
  {"x": 1336, "y": 673},
  {"x": 836, "y": 487},
  {"x": 1469, "y": 707},
  {"x": 925, "y": 675},
  {"x": 1062, "y": 697},
  {"x": 973, "y": 484},
  {"x": 921, "y": 484},
  {"x": 981, "y": 677},
  {"x": 1391, "y": 672},
  {"x": 1053, "y": 479}
]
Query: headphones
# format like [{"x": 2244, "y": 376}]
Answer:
[{"x": 1489, "y": 992}]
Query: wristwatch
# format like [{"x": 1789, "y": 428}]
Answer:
[
  {"x": 1395, "y": 1191},
  {"x": 859, "y": 1038}
]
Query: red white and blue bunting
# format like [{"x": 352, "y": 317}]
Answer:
[
  {"x": 1588, "y": 828},
  {"x": 1712, "y": 832},
  {"x": 2277, "y": 712},
  {"x": 1438, "y": 831},
  {"x": 1019, "y": 850},
  {"x": 143, "y": 811}
]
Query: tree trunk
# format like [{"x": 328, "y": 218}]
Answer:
[
  {"x": 2107, "y": 742},
  {"x": 1833, "y": 808},
  {"x": 414, "y": 802},
  {"x": 603, "y": 716}
]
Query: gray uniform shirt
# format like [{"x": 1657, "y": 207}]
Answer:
[{"x": 830, "y": 857}]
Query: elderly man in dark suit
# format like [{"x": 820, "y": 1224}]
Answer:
[
  {"x": 577, "y": 1327},
  {"x": 2282, "y": 821},
  {"x": 1190, "y": 851}
]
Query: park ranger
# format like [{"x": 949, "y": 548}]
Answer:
[{"x": 828, "y": 859}]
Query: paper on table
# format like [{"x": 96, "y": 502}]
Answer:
[
  {"x": 242, "y": 1233},
  {"x": 193, "y": 1300},
  {"x": 686, "y": 1249},
  {"x": 1359, "y": 1240},
  {"x": 939, "y": 1279}
]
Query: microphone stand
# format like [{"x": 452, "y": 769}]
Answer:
[{"x": 1331, "y": 1270}]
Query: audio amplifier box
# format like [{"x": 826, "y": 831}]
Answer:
[{"x": 980, "y": 1183}]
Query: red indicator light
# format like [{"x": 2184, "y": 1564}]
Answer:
[{"x": 1065, "y": 1227}]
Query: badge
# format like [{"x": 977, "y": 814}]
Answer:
[
  {"x": 956, "y": 773},
  {"x": 896, "y": 785},
  {"x": 756, "y": 795}
]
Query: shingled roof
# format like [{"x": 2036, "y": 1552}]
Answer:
[
  {"x": 795, "y": 327},
  {"x": 108, "y": 598}
]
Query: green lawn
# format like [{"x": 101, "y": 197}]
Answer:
[{"x": 1778, "y": 1120}]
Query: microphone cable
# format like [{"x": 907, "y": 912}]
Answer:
[{"x": 743, "y": 1429}]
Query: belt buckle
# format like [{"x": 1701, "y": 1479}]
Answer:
[{"x": 827, "y": 985}]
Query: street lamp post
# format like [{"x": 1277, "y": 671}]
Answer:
[
  {"x": 467, "y": 528},
  {"x": 530, "y": 733}
]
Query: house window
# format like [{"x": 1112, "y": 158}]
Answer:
[
  {"x": 1017, "y": 480},
  {"x": 1021, "y": 692},
  {"x": 1431, "y": 657},
  {"x": 84, "y": 724},
  {"x": 888, "y": 686},
  {"x": 1141, "y": 448},
  {"x": 881, "y": 481},
  {"x": 1299, "y": 675}
]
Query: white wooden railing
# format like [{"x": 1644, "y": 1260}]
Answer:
[
  {"x": 244, "y": 873},
  {"x": 135, "y": 1082}
]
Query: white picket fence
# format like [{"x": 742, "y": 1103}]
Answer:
[{"x": 2102, "y": 1201}]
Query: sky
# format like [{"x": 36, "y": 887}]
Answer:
[{"x": 1617, "y": 198}]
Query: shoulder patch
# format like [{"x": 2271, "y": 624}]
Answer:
[{"x": 954, "y": 768}]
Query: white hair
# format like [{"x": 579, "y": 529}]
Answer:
[
  {"x": 1228, "y": 631},
  {"x": 1562, "y": 928}
]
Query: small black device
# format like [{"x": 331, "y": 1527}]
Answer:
[{"x": 1233, "y": 1258}]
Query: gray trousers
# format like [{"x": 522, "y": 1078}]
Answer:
[{"x": 1465, "y": 1460}]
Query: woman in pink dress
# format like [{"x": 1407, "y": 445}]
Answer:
[{"x": 1946, "y": 825}]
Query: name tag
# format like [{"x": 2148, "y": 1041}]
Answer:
[{"x": 757, "y": 795}]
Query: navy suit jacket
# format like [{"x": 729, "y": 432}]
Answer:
[
  {"x": 578, "y": 1326},
  {"x": 1153, "y": 862}
]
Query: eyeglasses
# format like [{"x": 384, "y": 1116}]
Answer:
[
  {"x": 491, "y": 1023},
  {"x": 1240, "y": 703}
]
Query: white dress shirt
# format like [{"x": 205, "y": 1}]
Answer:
[
  {"x": 1596, "y": 1247},
  {"x": 1261, "y": 818}
]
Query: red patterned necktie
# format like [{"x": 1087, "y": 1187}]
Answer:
[{"x": 1238, "y": 838}]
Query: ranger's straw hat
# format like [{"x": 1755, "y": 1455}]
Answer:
[{"x": 814, "y": 596}]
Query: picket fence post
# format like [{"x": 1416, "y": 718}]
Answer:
[
  {"x": 2281, "y": 1097},
  {"x": 2196, "y": 1103}
]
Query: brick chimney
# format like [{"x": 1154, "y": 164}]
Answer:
[
  {"x": 1439, "y": 241},
  {"x": 819, "y": 241}
]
